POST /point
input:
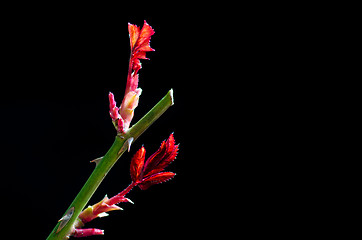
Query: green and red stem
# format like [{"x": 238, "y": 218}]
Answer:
[{"x": 121, "y": 143}]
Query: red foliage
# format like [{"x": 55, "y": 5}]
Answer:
[
  {"x": 140, "y": 44},
  {"x": 137, "y": 164},
  {"x": 147, "y": 173},
  {"x": 155, "y": 179},
  {"x": 143, "y": 173}
]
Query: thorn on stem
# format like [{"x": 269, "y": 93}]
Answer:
[
  {"x": 129, "y": 142},
  {"x": 65, "y": 219},
  {"x": 97, "y": 160},
  {"x": 126, "y": 145}
]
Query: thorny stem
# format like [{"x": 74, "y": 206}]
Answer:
[{"x": 104, "y": 166}]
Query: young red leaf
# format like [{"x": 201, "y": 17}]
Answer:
[
  {"x": 162, "y": 158},
  {"x": 140, "y": 39},
  {"x": 143, "y": 41},
  {"x": 140, "y": 44},
  {"x": 134, "y": 33},
  {"x": 155, "y": 158},
  {"x": 169, "y": 157},
  {"x": 137, "y": 163},
  {"x": 155, "y": 179}
]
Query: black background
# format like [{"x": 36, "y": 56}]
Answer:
[
  {"x": 244, "y": 85},
  {"x": 237, "y": 74},
  {"x": 58, "y": 67}
]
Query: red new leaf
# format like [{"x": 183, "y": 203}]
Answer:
[
  {"x": 155, "y": 179},
  {"x": 162, "y": 158},
  {"x": 140, "y": 43},
  {"x": 140, "y": 39},
  {"x": 137, "y": 164},
  {"x": 145, "y": 174}
]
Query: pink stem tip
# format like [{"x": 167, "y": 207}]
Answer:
[{"x": 78, "y": 232}]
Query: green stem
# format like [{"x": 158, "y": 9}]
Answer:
[{"x": 119, "y": 146}]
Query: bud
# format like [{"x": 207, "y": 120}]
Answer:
[
  {"x": 130, "y": 102},
  {"x": 97, "y": 210}
]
